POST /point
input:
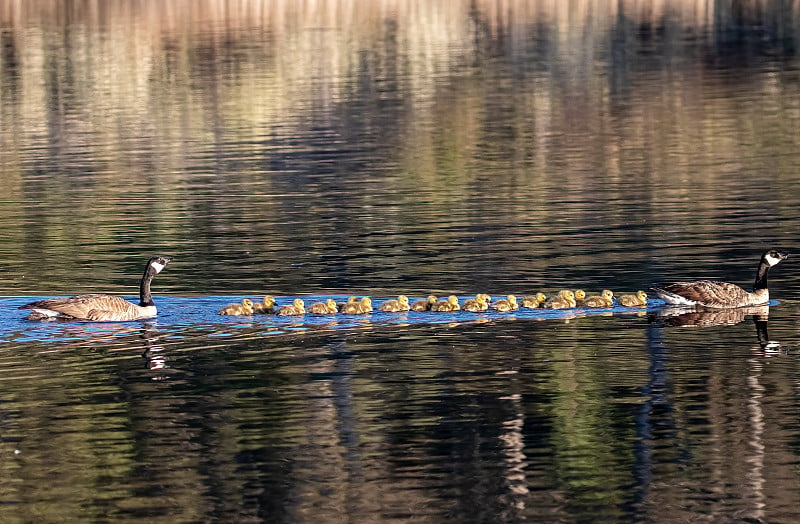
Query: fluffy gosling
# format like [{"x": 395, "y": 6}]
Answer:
[
  {"x": 605, "y": 300},
  {"x": 425, "y": 305},
  {"x": 396, "y": 305},
  {"x": 298, "y": 307},
  {"x": 637, "y": 300},
  {"x": 245, "y": 308},
  {"x": 506, "y": 304}
]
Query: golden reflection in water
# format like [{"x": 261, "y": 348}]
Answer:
[
  {"x": 512, "y": 446},
  {"x": 755, "y": 475},
  {"x": 205, "y": 103}
]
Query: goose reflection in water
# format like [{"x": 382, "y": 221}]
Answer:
[
  {"x": 154, "y": 353},
  {"x": 700, "y": 317}
]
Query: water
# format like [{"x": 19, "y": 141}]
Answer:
[{"x": 377, "y": 148}]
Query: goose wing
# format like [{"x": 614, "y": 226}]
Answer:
[
  {"x": 95, "y": 307},
  {"x": 709, "y": 293}
]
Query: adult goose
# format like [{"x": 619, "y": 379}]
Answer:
[
  {"x": 719, "y": 295},
  {"x": 102, "y": 308}
]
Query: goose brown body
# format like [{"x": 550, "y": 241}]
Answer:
[
  {"x": 713, "y": 294},
  {"x": 719, "y": 295},
  {"x": 96, "y": 307},
  {"x": 93, "y": 307}
]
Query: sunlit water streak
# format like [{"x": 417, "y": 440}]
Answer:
[{"x": 200, "y": 314}]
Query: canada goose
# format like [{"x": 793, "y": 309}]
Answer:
[
  {"x": 719, "y": 295},
  {"x": 580, "y": 297},
  {"x": 533, "y": 301},
  {"x": 324, "y": 308},
  {"x": 267, "y": 307},
  {"x": 100, "y": 308},
  {"x": 243, "y": 309},
  {"x": 637, "y": 300},
  {"x": 477, "y": 304},
  {"x": 604, "y": 300},
  {"x": 341, "y": 305},
  {"x": 506, "y": 304},
  {"x": 564, "y": 300},
  {"x": 298, "y": 307},
  {"x": 425, "y": 305},
  {"x": 451, "y": 304},
  {"x": 358, "y": 308},
  {"x": 396, "y": 305}
]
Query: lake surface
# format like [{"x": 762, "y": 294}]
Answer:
[{"x": 334, "y": 148}]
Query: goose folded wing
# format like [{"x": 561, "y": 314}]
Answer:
[
  {"x": 89, "y": 307},
  {"x": 709, "y": 292}
]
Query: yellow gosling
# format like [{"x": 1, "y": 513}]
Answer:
[
  {"x": 605, "y": 300},
  {"x": 267, "y": 307},
  {"x": 298, "y": 307},
  {"x": 559, "y": 297},
  {"x": 341, "y": 305},
  {"x": 486, "y": 298},
  {"x": 477, "y": 304},
  {"x": 533, "y": 301},
  {"x": 637, "y": 300},
  {"x": 365, "y": 306},
  {"x": 358, "y": 308},
  {"x": 451, "y": 304},
  {"x": 506, "y": 304},
  {"x": 425, "y": 305},
  {"x": 245, "y": 308},
  {"x": 564, "y": 300},
  {"x": 396, "y": 305},
  {"x": 580, "y": 297},
  {"x": 324, "y": 308}
]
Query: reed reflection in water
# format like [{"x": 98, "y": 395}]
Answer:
[
  {"x": 606, "y": 418},
  {"x": 379, "y": 148},
  {"x": 391, "y": 146}
]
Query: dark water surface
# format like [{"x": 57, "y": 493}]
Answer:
[{"x": 336, "y": 148}]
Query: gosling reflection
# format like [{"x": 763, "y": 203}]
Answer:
[{"x": 698, "y": 317}]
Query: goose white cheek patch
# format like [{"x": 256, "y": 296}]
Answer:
[
  {"x": 772, "y": 260},
  {"x": 158, "y": 267}
]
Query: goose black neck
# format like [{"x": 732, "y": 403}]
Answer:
[
  {"x": 761, "y": 276},
  {"x": 145, "y": 296}
]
